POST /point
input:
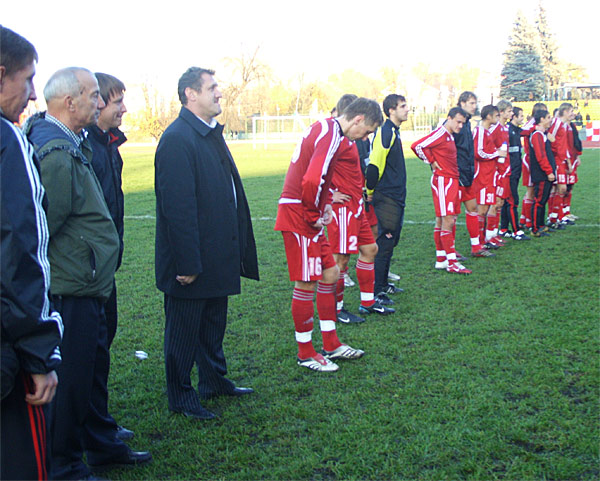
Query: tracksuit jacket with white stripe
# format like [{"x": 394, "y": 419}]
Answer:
[{"x": 31, "y": 330}]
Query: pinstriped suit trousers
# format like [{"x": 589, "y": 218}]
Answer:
[{"x": 194, "y": 331}]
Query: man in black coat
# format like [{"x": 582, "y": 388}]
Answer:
[{"x": 204, "y": 243}]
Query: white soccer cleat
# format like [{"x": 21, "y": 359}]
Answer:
[
  {"x": 348, "y": 282},
  {"x": 343, "y": 352},
  {"x": 393, "y": 277},
  {"x": 318, "y": 363}
]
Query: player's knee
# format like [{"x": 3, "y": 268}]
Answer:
[
  {"x": 331, "y": 275},
  {"x": 368, "y": 252}
]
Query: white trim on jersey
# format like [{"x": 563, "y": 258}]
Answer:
[
  {"x": 482, "y": 153},
  {"x": 436, "y": 134},
  {"x": 333, "y": 146}
]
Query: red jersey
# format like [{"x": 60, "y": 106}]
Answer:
[
  {"x": 347, "y": 173},
  {"x": 499, "y": 135},
  {"x": 559, "y": 146},
  {"x": 438, "y": 147},
  {"x": 538, "y": 141},
  {"x": 485, "y": 156},
  {"x": 306, "y": 186}
]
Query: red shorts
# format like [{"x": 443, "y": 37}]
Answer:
[
  {"x": 486, "y": 195},
  {"x": 346, "y": 232},
  {"x": 561, "y": 172},
  {"x": 572, "y": 178},
  {"x": 307, "y": 258},
  {"x": 466, "y": 193},
  {"x": 445, "y": 195},
  {"x": 503, "y": 187},
  {"x": 370, "y": 214}
]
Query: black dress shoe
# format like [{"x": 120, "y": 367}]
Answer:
[
  {"x": 128, "y": 458},
  {"x": 124, "y": 434},
  {"x": 241, "y": 391},
  {"x": 199, "y": 413}
]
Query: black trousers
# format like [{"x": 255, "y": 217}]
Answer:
[
  {"x": 390, "y": 218},
  {"x": 541, "y": 191},
  {"x": 24, "y": 434},
  {"x": 76, "y": 423},
  {"x": 510, "y": 208},
  {"x": 194, "y": 332},
  {"x": 112, "y": 316}
]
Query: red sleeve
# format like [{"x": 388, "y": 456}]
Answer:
[
  {"x": 483, "y": 149},
  {"x": 422, "y": 147},
  {"x": 539, "y": 147},
  {"x": 317, "y": 177}
]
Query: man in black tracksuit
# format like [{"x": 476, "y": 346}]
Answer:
[
  {"x": 31, "y": 329},
  {"x": 386, "y": 182},
  {"x": 510, "y": 209}
]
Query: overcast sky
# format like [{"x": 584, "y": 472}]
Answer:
[{"x": 137, "y": 40}]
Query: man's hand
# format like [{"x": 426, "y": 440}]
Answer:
[
  {"x": 435, "y": 166},
  {"x": 185, "y": 280},
  {"x": 551, "y": 137},
  {"x": 44, "y": 388},
  {"x": 340, "y": 198},
  {"x": 501, "y": 153},
  {"x": 551, "y": 178},
  {"x": 569, "y": 167},
  {"x": 327, "y": 214}
]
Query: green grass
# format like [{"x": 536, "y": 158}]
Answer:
[{"x": 490, "y": 376}]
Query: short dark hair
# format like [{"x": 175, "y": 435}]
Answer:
[
  {"x": 466, "y": 96},
  {"x": 109, "y": 86},
  {"x": 367, "y": 107},
  {"x": 343, "y": 102},
  {"x": 563, "y": 108},
  {"x": 16, "y": 52},
  {"x": 517, "y": 111},
  {"x": 391, "y": 102},
  {"x": 191, "y": 78},
  {"x": 488, "y": 110},
  {"x": 538, "y": 106},
  {"x": 538, "y": 115},
  {"x": 454, "y": 111}
]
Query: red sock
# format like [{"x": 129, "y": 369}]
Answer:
[
  {"x": 365, "y": 275},
  {"x": 552, "y": 207},
  {"x": 481, "y": 221},
  {"x": 448, "y": 241},
  {"x": 567, "y": 207},
  {"x": 440, "y": 255},
  {"x": 492, "y": 223},
  {"x": 302, "y": 314},
  {"x": 339, "y": 292},
  {"x": 327, "y": 315},
  {"x": 528, "y": 203},
  {"x": 473, "y": 229},
  {"x": 560, "y": 207}
]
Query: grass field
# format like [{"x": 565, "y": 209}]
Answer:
[{"x": 490, "y": 376}]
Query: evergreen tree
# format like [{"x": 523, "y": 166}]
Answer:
[
  {"x": 523, "y": 72},
  {"x": 547, "y": 49}
]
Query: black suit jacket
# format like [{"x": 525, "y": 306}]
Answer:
[{"x": 199, "y": 228}]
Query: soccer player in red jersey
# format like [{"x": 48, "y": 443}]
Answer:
[
  {"x": 575, "y": 150},
  {"x": 486, "y": 156},
  {"x": 304, "y": 210},
  {"x": 560, "y": 149},
  {"x": 466, "y": 171},
  {"x": 541, "y": 164},
  {"x": 349, "y": 231},
  {"x": 528, "y": 198},
  {"x": 439, "y": 150},
  {"x": 499, "y": 134}
]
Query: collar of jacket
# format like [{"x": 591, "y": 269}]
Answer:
[
  {"x": 197, "y": 124},
  {"x": 112, "y": 136}
]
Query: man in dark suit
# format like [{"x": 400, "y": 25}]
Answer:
[{"x": 204, "y": 243}]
